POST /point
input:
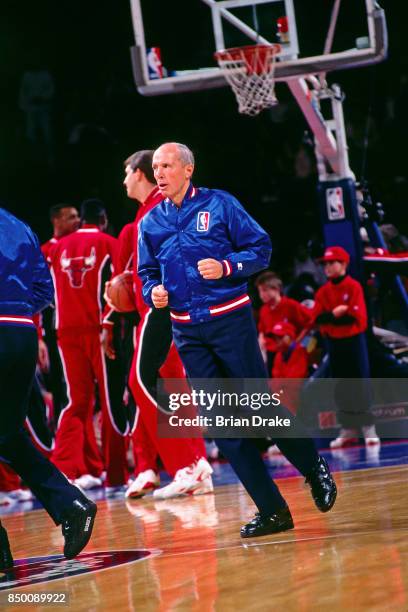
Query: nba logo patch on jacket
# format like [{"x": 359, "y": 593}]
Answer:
[{"x": 203, "y": 221}]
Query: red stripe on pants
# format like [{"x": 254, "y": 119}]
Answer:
[
  {"x": 144, "y": 451},
  {"x": 82, "y": 362}
]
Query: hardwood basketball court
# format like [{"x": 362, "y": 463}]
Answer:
[{"x": 352, "y": 558}]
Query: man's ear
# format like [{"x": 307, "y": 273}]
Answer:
[{"x": 189, "y": 169}]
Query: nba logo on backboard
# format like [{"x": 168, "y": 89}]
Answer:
[
  {"x": 203, "y": 221},
  {"x": 154, "y": 63},
  {"x": 335, "y": 206}
]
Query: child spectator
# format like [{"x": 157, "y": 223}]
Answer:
[
  {"x": 340, "y": 312},
  {"x": 291, "y": 361},
  {"x": 277, "y": 308}
]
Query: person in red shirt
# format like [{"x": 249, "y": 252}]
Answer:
[
  {"x": 290, "y": 362},
  {"x": 154, "y": 356},
  {"x": 291, "y": 358},
  {"x": 65, "y": 220},
  {"x": 144, "y": 451},
  {"x": 277, "y": 308},
  {"x": 80, "y": 263},
  {"x": 341, "y": 314}
]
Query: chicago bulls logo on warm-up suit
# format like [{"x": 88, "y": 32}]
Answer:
[
  {"x": 77, "y": 267},
  {"x": 80, "y": 264}
]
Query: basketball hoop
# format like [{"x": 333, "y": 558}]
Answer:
[{"x": 250, "y": 73}]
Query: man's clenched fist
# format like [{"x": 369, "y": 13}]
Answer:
[
  {"x": 160, "y": 296},
  {"x": 210, "y": 269}
]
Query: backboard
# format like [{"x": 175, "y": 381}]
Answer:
[{"x": 316, "y": 36}]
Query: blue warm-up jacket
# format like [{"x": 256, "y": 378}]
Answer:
[
  {"x": 208, "y": 224},
  {"x": 25, "y": 282}
]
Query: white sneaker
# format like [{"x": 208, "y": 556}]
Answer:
[
  {"x": 192, "y": 480},
  {"x": 346, "y": 437},
  {"x": 372, "y": 441},
  {"x": 370, "y": 435},
  {"x": 373, "y": 453},
  {"x": 20, "y": 495},
  {"x": 86, "y": 481},
  {"x": 144, "y": 483}
]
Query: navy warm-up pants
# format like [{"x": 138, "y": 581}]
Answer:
[
  {"x": 227, "y": 347},
  {"x": 18, "y": 356}
]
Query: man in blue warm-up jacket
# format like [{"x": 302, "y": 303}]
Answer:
[
  {"x": 197, "y": 249},
  {"x": 25, "y": 289}
]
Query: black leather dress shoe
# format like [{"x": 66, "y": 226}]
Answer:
[
  {"x": 324, "y": 490},
  {"x": 77, "y": 526},
  {"x": 6, "y": 558},
  {"x": 263, "y": 525}
]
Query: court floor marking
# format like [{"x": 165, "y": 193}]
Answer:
[{"x": 161, "y": 553}]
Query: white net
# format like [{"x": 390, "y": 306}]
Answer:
[{"x": 250, "y": 73}]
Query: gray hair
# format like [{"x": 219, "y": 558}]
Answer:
[{"x": 185, "y": 154}]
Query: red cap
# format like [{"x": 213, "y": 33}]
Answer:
[
  {"x": 284, "y": 329},
  {"x": 335, "y": 253}
]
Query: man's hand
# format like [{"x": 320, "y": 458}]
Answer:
[
  {"x": 210, "y": 269},
  {"x": 160, "y": 296},
  {"x": 106, "y": 298},
  {"x": 107, "y": 342},
  {"x": 339, "y": 311},
  {"x": 43, "y": 356}
]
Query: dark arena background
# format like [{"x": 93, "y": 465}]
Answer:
[
  {"x": 184, "y": 552},
  {"x": 266, "y": 161}
]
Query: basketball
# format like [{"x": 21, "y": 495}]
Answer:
[{"x": 120, "y": 292}]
